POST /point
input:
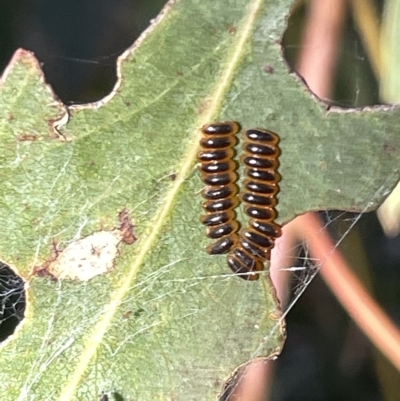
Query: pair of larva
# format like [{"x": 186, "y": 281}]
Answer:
[{"x": 252, "y": 246}]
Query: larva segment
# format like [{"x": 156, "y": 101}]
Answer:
[
  {"x": 218, "y": 172},
  {"x": 244, "y": 264},
  {"x": 260, "y": 159}
]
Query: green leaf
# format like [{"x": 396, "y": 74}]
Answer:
[{"x": 169, "y": 321}]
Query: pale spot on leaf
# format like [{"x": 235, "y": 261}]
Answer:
[{"x": 88, "y": 257}]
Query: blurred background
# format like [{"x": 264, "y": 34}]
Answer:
[
  {"x": 76, "y": 41},
  {"x": 348, "y": 53}
]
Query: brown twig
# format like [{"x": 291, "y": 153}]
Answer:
[
  {"x": 320, "y": 44},
  {"x": 350, "y": 292}
]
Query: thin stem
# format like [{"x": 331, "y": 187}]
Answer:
[{"x": 350, "y": 292}]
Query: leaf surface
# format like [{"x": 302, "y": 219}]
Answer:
[{"x": 169, "y": 321}]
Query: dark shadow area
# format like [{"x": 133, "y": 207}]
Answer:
[
  {"x": 76, "y": 42},
  {"x": 12, "y": 301},
  {"x": 118, "y": 397},
  {"x": 113, "y": 396}
]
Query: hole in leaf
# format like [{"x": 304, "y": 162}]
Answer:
[
  {"x": 351, "y": 78},
  {"x": 77, "y": 42},
  {"x": 12, "y": 301}
]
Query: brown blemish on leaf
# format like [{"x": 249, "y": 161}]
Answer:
[
  {"x": 126, "y": 227},
  {"x": 41, "y": 271},
  {"x": 27, "y": 137},
  {"x": 269, "y": 69},
  {"x": 323, "y": 165},
  {"x": 126, "y": 314},
  {"x": 232, "y": 30},
  {"x": 389, "y": 149},
  {"x": 203, "y": 106}
]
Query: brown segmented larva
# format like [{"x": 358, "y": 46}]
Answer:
[
  {"x": 218, "y": 172},
  {"x": 260, "y": 158},
  {"x": 249, "y": 250}
]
